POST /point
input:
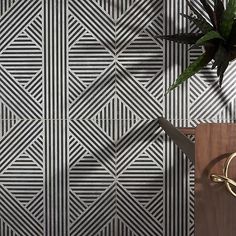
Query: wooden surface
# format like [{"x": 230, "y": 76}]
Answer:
[{"x": 215, "y": 208}]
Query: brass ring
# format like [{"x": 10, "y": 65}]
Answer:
[{"x": 224, "y": 178}]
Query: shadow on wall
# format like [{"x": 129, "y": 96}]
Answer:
[{"x": 135, "y": 171}]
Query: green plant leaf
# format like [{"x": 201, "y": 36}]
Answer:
[
  {"x": 218, "y": 12},
  {"x": 232, "y": 37},
  {"x": 190, "y": 38},
  {"x": 203, "y": 25},
  {"x": 209, "y": 11},
  {"x": 209, "y": 36},
  {"x": 232, "y": 53},
  {"x": 220, "y": 55},
  {"x": 221, "y": 70},
  {"x": 228, "y": 19},
  {"x": 222, "y": 59},
  {"x": 193, "y": 68}
]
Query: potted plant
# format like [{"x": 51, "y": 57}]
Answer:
[{"x": 217, "y": 37}]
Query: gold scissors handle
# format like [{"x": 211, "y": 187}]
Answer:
[{"x": 224, "y": 178}]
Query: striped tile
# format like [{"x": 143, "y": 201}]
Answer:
[{"x": 82, "y": 84}]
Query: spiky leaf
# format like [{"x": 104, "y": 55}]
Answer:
[
  {"x": 209, "y": 11},
  {"x": 221, "y": 70},
  {"x": 222, "y": 59},
  {"x": 190, "y": 38},
  {"x": 203, "y": 25},
  {"x": 228, "y": 19},
  {"x": 192, "y": 69},
  {"x": 218, "y": 12},
  {"x": 209, "y": 36},
  {"x": 232, "y": 37},
  {"x": 232, "y": 54},
  {"x": 220, "y": 55}
]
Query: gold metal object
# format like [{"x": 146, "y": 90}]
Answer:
[{"x": 224, "y": 178}]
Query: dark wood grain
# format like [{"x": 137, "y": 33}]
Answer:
[{"x": 215, "y": 208}]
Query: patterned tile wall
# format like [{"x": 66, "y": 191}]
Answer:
[{"x": 82, "y": 85}]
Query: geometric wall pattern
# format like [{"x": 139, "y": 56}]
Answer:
[{"x": 82, "y": 85}]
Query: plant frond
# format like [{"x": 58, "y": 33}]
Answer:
[
  {"x": 218, "y": 12},
  {"x": 209, "y": 36},
  {"x": 228, "y": 19},
  {"x": 192, "y": 69},
  {"x": 189, "y": 38}
]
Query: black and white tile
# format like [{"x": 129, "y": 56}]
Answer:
[{"x": 82, "y": 85}]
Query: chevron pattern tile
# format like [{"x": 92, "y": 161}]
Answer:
[{"x": 82, "y": 85}]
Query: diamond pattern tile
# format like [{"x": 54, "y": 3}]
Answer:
[{"x": 82, "y": 84}]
